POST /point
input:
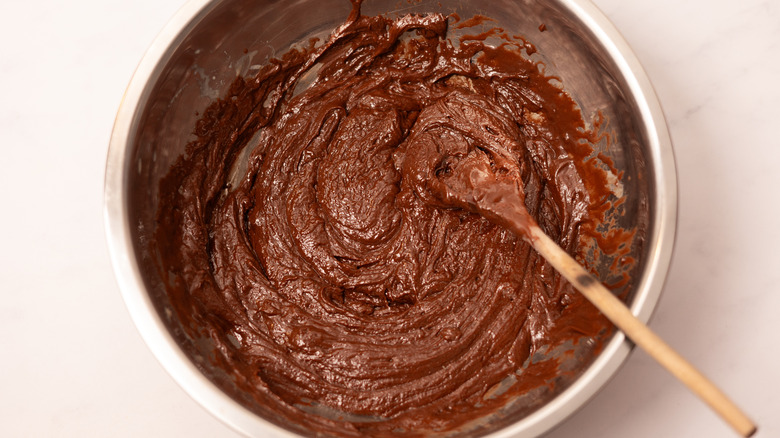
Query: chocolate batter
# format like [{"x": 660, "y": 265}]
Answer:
[{"x": 307, "y": 232}]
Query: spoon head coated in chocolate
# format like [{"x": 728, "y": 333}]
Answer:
[{"x": 466, "y": 152}]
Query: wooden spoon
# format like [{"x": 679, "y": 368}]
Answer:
[{"x": 491, "y": 187}]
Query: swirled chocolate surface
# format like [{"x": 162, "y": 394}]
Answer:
[{"x": 301, "y": 234}]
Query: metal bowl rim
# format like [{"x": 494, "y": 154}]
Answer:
[{"x": 185, "y": 373}]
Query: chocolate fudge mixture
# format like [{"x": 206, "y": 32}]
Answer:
[{"x": 304, "y": 232}]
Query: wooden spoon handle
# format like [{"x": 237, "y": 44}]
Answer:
[{"x": 639, "y": 333}]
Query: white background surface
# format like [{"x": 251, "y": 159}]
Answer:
[{"x": 73, "y": 365}]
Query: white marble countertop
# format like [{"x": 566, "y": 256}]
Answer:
[{"x": 74, "y": 365}]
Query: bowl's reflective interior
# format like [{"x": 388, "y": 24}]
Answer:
[{"x": 233, "y": 37}]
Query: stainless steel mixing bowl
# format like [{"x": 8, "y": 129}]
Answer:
[{"x": 210, "y": 42}]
